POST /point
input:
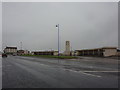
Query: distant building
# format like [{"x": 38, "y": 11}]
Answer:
[
  {"x": 104, "y": 51},
  {"x": 20, "y": 52},
  {"x": 72, "y": 53},
  {"x": 10, "y": 50},
  {"x": 23, "y": 52},
  {"x": 67, "y": 48},
  {"x": 26, "y": 52},
  {"x": 55, "y": 53},
  {"x": 118, "y": 52},
  {"x": 44, "y": 53}
]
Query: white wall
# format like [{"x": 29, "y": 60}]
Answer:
[
  {"x": 55, "y": 53},
  {"x": 110, "y": 52}
]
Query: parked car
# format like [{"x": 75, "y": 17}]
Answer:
[
  {"x": 14, "y": 54},
  {"x": 4, "y": 55}
]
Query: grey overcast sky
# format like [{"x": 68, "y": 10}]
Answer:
[{"x": 85, "y": 24}]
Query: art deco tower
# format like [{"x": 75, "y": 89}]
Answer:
[{"x": 67, "y": 45}]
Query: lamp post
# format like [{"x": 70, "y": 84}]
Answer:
[
  {"x": 21, "y": 45},
  {"x": 57, "y": 26}
]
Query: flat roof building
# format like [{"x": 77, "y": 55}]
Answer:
[
  {"x": 44, "y": 52},
  {"x": 104, "y": 51}
]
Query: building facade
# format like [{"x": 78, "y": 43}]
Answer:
[
  {"x": 104, "y": 51},
  {"x": 20, "y": 52},
  {"x": 10, "y": 50},
  {"x": 23, "y": 52},
  {"x": 26, "y": 52}
]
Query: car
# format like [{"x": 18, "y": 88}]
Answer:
[
  {"x": 4, "y": 55},
  {"x": 14, "y": 54}
]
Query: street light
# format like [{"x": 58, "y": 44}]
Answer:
[
  {"x": 57, "y": 26},
  {"x": 21, "y": 45}
]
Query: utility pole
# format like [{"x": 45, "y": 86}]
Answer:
[{"x": 58, "y": 39}]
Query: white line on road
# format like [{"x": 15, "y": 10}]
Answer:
[
  {"x": 83, "y": 73},
  {"x": 91, "y": 74},
  {"x": 87, "y": 72},
  {"x": 77, "y": 71},
  {"x": 101, "y": 71}
]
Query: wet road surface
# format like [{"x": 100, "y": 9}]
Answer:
[{"x": 33, "y": 72}]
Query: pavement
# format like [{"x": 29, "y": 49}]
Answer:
[{"x": 34, "y": 72}]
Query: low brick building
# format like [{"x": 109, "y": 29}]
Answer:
[
  {"x": 104, "y": 51},
  {"x": 44, "y": 53}
]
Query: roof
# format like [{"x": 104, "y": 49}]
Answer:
[
  {"x": 11, "y": 48},
  {"x": 109, "y": 47}
]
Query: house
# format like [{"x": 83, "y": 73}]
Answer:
[{"x": 10, "y": 50}]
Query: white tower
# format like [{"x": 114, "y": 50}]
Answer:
[{"x": 67, "y": 45}]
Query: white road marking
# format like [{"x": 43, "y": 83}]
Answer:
[
  {"x": 83, "y": 73},
  {"x": 91, "y": 74},
  {"x": 101, "y": 71}
]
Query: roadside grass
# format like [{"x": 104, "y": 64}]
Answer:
[{"x": 51, "y": 56}]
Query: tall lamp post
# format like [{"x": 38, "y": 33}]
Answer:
[
  {"x": 57, "y": 26},
  {"x": 21, "y": 45}
]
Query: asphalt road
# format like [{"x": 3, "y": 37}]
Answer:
[{"x": 33, "y": 72}]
